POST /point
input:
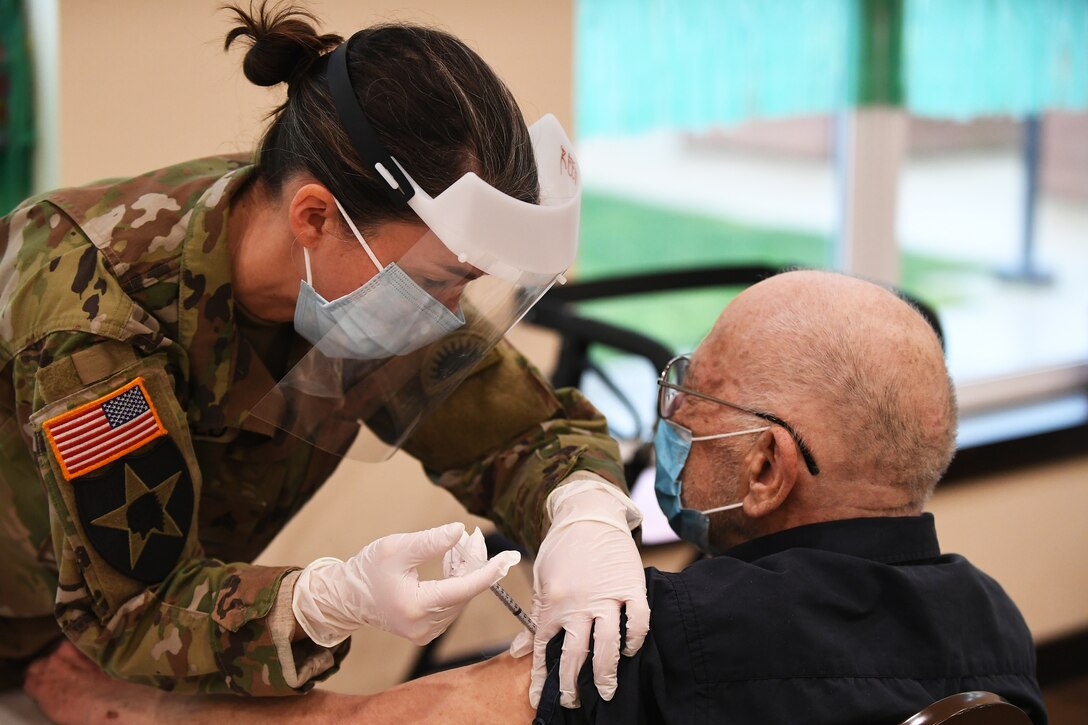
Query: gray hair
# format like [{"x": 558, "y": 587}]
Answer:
[{"x": 895, "y": 413}]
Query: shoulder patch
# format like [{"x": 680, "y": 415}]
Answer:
[
  {"x": 450, "y": 356},
  {"x": 137, "y": 511},
  {"x": 99, "y": 432}
]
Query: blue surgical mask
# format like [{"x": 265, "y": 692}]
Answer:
[
  {"x": 672, "y": 444},
  {"x": 389, "y": 315}
]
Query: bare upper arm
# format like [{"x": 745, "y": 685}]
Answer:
[{"x": 496, "y": 690}]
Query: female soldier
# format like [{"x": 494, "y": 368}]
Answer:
[{"x": 173, "y": 393}]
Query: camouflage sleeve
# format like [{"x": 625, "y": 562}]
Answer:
[
  {"x": 135, "y": 591},
  {"x": 505, "y": 439}
]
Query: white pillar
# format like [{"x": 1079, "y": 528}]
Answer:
[
  {"x": 871, "y": 145},
  {"x": 43, "y": 28}
]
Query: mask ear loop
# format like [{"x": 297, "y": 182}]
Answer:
[
  {"x": 306, "y": 259},
  {"x": 355, "y": 231},
  {"x": 738, "y": 504}
]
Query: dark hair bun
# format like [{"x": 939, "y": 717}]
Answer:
[{"x": 283, "y": 42}]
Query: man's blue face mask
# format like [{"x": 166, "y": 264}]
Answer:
[{"x": 672, "y": 443}]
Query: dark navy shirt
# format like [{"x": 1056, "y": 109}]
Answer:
[{"x": 856, "y": 621}]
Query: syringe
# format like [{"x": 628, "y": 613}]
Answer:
[
  {"x": 509, "y": 603},
  {"x": 502, "y": 594}
]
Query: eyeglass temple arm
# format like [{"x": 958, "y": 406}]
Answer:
[{"x": 806, "y": 454}]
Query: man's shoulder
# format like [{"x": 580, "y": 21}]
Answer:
[
  {"x": 834, "y": 614},
  {"x": 712, "y": 574},
  {"x": 711, "y": 594},
  {"x": 808, "y": 568},
  {"x": 802, "y": 594}
]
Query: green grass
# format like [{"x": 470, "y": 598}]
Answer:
[{"x": 621, "y": 236}]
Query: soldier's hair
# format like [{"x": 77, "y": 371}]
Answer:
[{"x": 437, "y": 106}]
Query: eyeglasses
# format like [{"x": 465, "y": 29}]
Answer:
[{"x": 671, "y": 388}]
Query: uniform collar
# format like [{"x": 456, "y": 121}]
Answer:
[
  {"x": 225, "y": 377},
  {"x": 891, "y": 540}
]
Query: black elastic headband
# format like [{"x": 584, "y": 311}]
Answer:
[{"x": 371, "y": 150}]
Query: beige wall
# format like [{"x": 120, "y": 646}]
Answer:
[
  {"x": 145, "y": 83},
  {"x": 1026, "y": 529}
]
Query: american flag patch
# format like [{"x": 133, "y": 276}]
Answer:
[{"x": 103, "y": 430}]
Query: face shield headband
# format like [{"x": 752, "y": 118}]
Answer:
[{"x": 479, "y": 224}]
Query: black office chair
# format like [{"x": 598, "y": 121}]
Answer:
[
  {"x": 558, "y": 311},
  {"x": 970, "y": 708}
]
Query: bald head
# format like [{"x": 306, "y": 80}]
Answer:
[{"x": 858, "y": 372}]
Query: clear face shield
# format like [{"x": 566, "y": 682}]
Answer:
[{"x": 390, "y": 352}]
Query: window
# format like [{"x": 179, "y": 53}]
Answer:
[{"x": 739, "y": 131}]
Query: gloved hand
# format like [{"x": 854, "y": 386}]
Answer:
[
  {"x": 588, "y": 567},
  {"x": 380, "y": 587},
  {"x": 468, "y": 555}
]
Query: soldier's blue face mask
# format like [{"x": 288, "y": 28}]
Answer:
[
  {"x": 388, "y": 315},
  {"x": 672, "y": 444}
]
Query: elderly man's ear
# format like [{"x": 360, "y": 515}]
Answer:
[{"x": 771, "y": 469}]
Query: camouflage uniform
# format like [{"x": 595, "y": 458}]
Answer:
[{"x": 127, "y": 283}]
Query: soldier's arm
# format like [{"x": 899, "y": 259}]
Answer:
[
  {"x": 505, "y": 439},
  {"x": 68, "y": 690},
  {"x": 135, "y": 591}
]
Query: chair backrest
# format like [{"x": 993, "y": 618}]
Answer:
[
  {"x": 558, "y": 311},
  {"x": 970, "y": 708}
]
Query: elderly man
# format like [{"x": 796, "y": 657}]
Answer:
[{"x": 797, "y": 447}]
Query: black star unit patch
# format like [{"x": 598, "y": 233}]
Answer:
[
  {"x": 136, "y": 512},
  {"x": 446, "y": 360}
]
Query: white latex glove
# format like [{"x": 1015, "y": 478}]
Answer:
[
  {"x": 468, "y": 555},
  {"x": 380, "y": 587},
  {"x": 588, "y": 567}
]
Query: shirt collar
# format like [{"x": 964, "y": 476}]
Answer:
[
  {"x": 225, "y": 377},
  {"x": 891, "y": 540}
]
